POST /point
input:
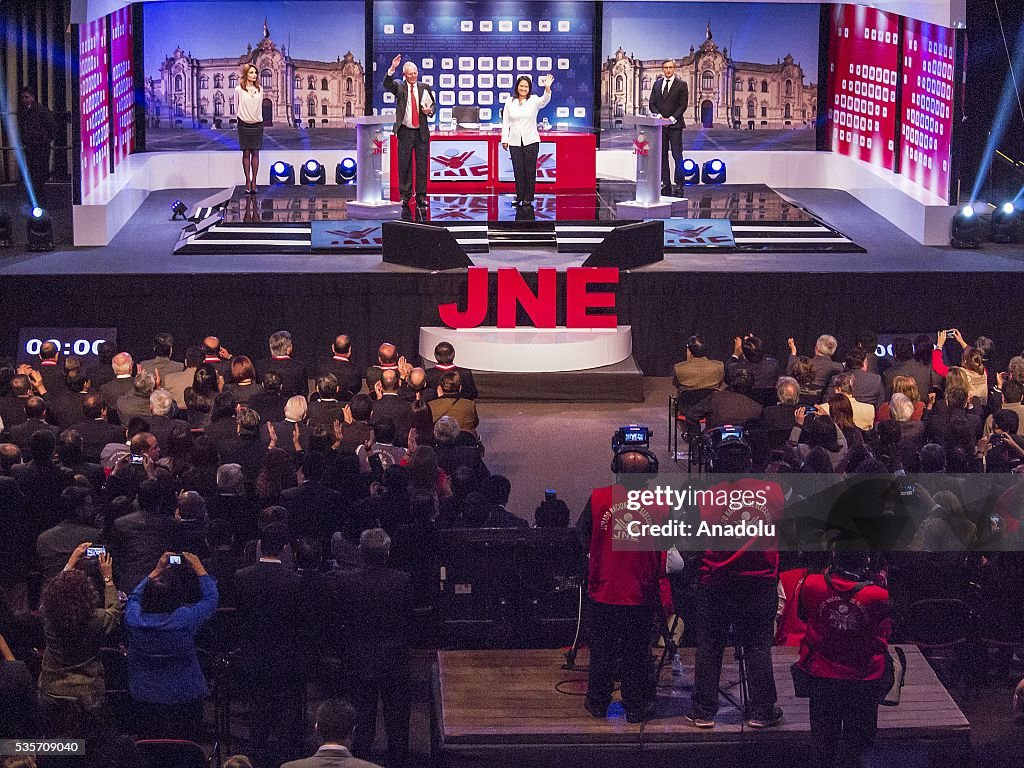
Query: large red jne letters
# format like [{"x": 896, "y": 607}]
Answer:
[{"x": 540, "y": 306}]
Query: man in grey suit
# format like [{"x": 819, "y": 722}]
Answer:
[
  {"x": 335, "y": 722},
  {"x": 697, "y": 372}
]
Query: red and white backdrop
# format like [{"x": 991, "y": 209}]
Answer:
[
  {"x": 94, "y": 103},
  {"x": 122, "y": 85}
]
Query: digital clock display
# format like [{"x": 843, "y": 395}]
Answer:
[{"x": 82, "y": 343}]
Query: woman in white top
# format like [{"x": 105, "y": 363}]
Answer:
[
  {"x": 249, "y": 98},
  {"x": 519, "y": 135}
]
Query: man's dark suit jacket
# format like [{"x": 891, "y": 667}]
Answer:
[
  {"x": 223, "y": 429},
  {"x": 92, "y": 472},
  {"x": 868, "y": 388},
  {"x": 97, "y": 433},
  {"x": 53, "y": 379},
  {"x": 160, "y": 427},
  {"x": 246, "y": 452},
  {"x": 398, "y": 409},
  {"x": 12, "y": 411},
  {"x": 22, "y": 434},
  {"x": 375, "y": 606},
  {"x": 401, "y": 90},
  {"x": 324, "y": 412},
  {"x": 285, "y": 435},
  {"x": 313, "y": 509},
  {"x": 671, "y": 104},
  {"x": 724, "y": 407},
  {"x": 766, "y": 372},
  {"x": 469, "y": 389},
  {"x": 269, "y": 617},
  {"x": 137, "y": 541},
  {"x": 112, "y": 391},
  {"x": 269, "y": 406},
  {"x": 55, "y": 545},
  {"x": 923, "y": 374},
  {"x": 65, "y": 408},
  {"x": 18, "y": 700},
  {"x": 778, "y": 417},
  {"x": 99, "y": 374},
  {"x": 350, "y": 378},
  {"x": 373, "y": 376},
  {"x": 824, "y": 369},
  {"x": 294, "y": 380}
]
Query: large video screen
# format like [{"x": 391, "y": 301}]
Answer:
[
  {"x": 122, "y": 85},
  {"x": 94, "y": 103},
  {"x": 862, "y": 71},
  {"x": 310, "y": 58},
  {"x": 751, "y": 71},
  {"x": 471, "y": 54},
  {"x": 927, "y": 120}
]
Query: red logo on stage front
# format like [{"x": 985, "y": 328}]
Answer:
[
  {"x": 368, "y": 236},
  {"x": 454, "y": 164},
  {"x": 540, "y": 306}
]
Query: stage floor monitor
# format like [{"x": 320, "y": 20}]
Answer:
[{"x": 422, "y": 246}]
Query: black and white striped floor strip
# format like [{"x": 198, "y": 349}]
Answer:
[{"x": 791, "y": 237}]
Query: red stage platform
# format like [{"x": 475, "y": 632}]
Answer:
[{"x": 465, "y": 161}]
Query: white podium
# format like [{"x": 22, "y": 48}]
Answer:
[
  {"x": 532, "y": 350},
  {"x": 371, "y": 140},
  {"x": 649, "y": 202}
]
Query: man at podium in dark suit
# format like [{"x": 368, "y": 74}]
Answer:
[
  {"x": 414, "y": 106},
  {"x": 669, "y": 98}
]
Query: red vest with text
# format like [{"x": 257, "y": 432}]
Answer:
[
  {"x": 619, "y": 577},
  {"x": 751, "y": 557},
  {"x": 846, "y": 633}
]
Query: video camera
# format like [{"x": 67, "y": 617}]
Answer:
[
  {"x": 630, "y": 437},
  {"x": 723, "y": 439}
]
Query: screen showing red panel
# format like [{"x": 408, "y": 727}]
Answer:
[
  {"x": 94, "y": 103},
  {"x": 122, "y": 88},
  {"x": 927, "y": 124},
  {"x": 862, "y": 74}
]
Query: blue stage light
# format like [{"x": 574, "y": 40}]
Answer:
[
  {"x": 39, "y": 230},
  {"x": 966, "y": 228},
  {"x": 313, "y": 173},
  {"x": 1006, "y": 224},
  {"x": 689, "y": 171},
  {"x": 345, "y": 173},
  {"x": 178, "y": 208},
  {"x": 713, "y": 172},
  {"x": 282, "y": 173}
]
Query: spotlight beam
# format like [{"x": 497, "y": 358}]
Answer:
[{"x": 11, "y": 126}]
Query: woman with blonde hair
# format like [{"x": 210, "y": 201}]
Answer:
[
  {"x": 907, "y": 386},
  {"x": 249, "y": 98}
]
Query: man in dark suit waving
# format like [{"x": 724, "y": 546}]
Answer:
[
  {"x": 669, "y": 98},
  {"x": 414, "y": 106}
]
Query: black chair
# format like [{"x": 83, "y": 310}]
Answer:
[
  {"x": 940, "y": 628},
  {"x": 677, "y": 407},
  {"x": 160, "y": 753}
]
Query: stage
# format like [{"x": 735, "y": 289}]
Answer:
[{"x": 520, "y": 708}]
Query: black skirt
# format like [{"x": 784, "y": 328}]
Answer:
[{"x": 250, "y": 135}]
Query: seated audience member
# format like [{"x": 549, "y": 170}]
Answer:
[
  {"x": 941, "y": 416},
  {"x": 294, "y": 380},
  {"x": 12, "y": 406},
  {"x": 192, "y": 521},
  {"x": 76, "y": 625},
  {"x": 49, "y": 371},
  {"x": 867, "y": 340},
  {"x": 842, "y": 414},
  {"x": 136, "y": 402},
  {"x": 201, "y": 396},
  {"x": 697, "y": 371},
  {"x": 246, "y": 449},
  {"x": 1013, "y": 394},
  {"x": 131, "y": 464},
  {"x": 390, "y": 404},
  {"x": 972, "y": 362},
  {"x": 201, "y": 474},
  {"x": 325, "y": 406},
  {"x": 911, "y": 432},
  {"x": 496, "y": 490},
  {"x": 335, "y": 723},
  {"x": 35, "y": 420},
  {"x": 356, "y": 427},
  {"x": 41, "y": 481},
  {"x": 223, "y": 561},
  {"x": 177, "y": 382},
  {"x": 551, "y": 513},
  {"x": 18, "y": 697},
  {"x": 904, "y": 385},
  {"x": 122, "y": 384},
  {"x": 729, "y": 406},
  {"x": 452, "y": 453},
  {"x": 222, "y": 426},
  {"x": 415, "y": 388},
  {"x": 450, "y": 402},
  {"x": 803, "y": 372},
  {"x": 444, "y": 355},
  {"x": 138, "y": 538},
  {"x": 822, "y": 364},
  {"x": 65, "y": 407},
  {"x": 161, "y": 363},
  {"x": 233, "y": 502},
  {"x": 748, "y": 353},
  {"x": 163, "y": 616},
  {"x": 381, "y": 450},
  {"x": 277, "y": 473},
  {"x": 913, "y": 359},
  {"x": 819, "y": 432},
  {"x": 161, "y": 404},
  {"x": 387, "y": 360},
  {"x": 243, "y": 384},
  {"x": 102, "y": 370},
  {"x": 95, "y": 430},
  {"x": 348, "y": 376},
  {"x": 863, "y": 413},
  {"x": 867, "y": 386},
  {"x": 292, "y": 433},
  {"x": 780, "y": 416},
  {"x": 270, "y": 618},
  {"x": 216, "y": 355},
  {"x": 1004, "y": 448},
  {"x": 70, "y": 456},
  {"x": 176, "y": 452},
  {"x": 376, "y": 607},
  {"x": 313, "y": 508},
  {"x": 55, "y": 545},
  {"x": 10, "y": 456}
]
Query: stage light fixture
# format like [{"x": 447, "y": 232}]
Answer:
[
  {"x": 313, "y": 173},
  {"x": 282, "y": 173},
  {"x": 178, "y": 208},
  {"x": 713, "y": 172},
  {"x": 966, "y": 228},
  {"x": 346, "y": 171},
  {"x": 39, "y": 230},
  {"x": 689, "y": 171},
  {"x": 6, "y": 229},
  {"x": 1006, "y": 224}
]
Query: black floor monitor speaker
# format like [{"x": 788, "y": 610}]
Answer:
[
  {"x": 422, "y": 246},
  {"x": 630, "y": 246}
]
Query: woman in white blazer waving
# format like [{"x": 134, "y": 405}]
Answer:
[{"x": 519, "y": 135}]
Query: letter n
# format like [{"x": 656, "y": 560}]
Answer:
[{"x": 513, "y": 292}]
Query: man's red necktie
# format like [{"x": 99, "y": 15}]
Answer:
[{"x": 414, "y": 106}]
